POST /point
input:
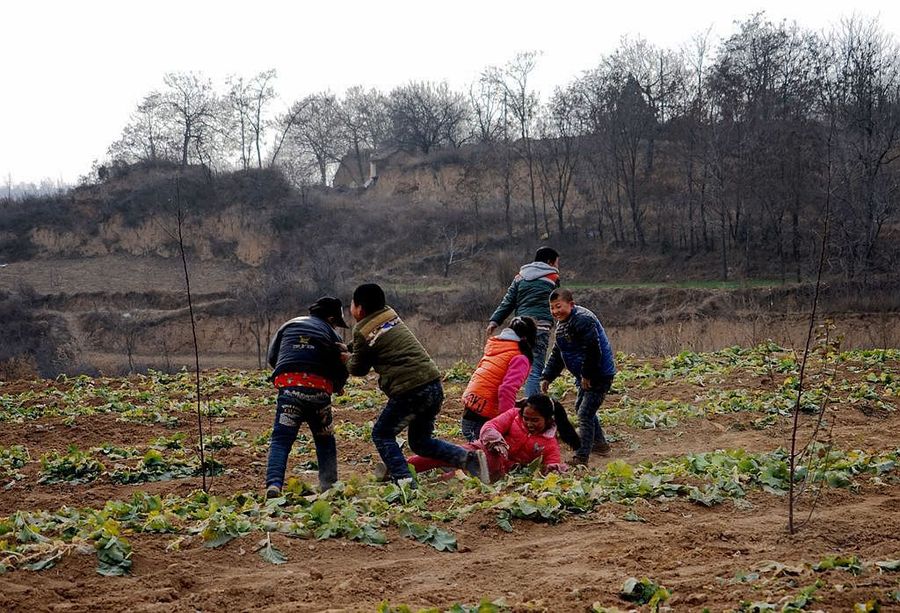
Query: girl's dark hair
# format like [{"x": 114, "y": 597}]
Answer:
[
  {"x": 526, "y": 329},
  {"x": 553, "y": 412}
]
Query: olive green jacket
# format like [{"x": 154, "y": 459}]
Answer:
[{"x": 381, "y": 341}]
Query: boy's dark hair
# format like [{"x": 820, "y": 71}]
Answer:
[
  {"x": 370, "y": 297},
  {"x": 553, "y": 412},
  {"x": 546, "y": 255},
  {"x": 562, "y": 294},
  {"x": 526, "y": 329}
]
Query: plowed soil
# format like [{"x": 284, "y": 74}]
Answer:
[{"x": 695, "y": 551}]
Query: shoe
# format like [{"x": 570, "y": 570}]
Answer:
[
  {"x": 579, "y": 460},
  {"x": 273, "y": 491},
  {"x": 601, "y": 449},
  {"x": 477, "y": 466},
  {"x": 407, "y": 481},
  {"x": 380, "y": 471}
]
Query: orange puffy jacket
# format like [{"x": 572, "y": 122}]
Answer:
[{"x": 481, "y": 395}]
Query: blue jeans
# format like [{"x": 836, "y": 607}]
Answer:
[
  {"x": 418, "y": 409},
  {"x": 295, "y": 406},
  {"x": 471, "y": 424},
  {"x": 533, "y": 382},
  {"x": 586, "y": 406}
]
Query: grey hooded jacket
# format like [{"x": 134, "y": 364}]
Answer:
[{"x": 529, "y": 293}]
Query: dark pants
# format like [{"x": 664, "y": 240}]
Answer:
[
  {"x": 295, "y": 406},
  {"x": 471, "y": 424},
  {"x": 533, "y": 382},
  {"x": 586, "y": 406},
  {"x": 418, "y": 410}
]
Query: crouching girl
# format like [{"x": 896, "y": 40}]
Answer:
[{"x": 518, "y": 437}]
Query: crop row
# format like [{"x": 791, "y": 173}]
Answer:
[{"x": 360, "y": 509}]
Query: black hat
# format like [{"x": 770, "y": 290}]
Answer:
[{"x": 328, "y": 306}]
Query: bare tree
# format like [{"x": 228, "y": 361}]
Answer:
[
  {"x": 194, "y": 108},
  {"x": 521, "y": 102},
  {"x": 148, "y": 135},
  {"x": 557, "y": 151},
  {"x": 317, "y": 132},
  {"x": 365, "y": 122},
  {"x": 426, "y": 115}
]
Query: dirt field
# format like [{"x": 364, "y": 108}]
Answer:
[{"x": 715, "y": 556}]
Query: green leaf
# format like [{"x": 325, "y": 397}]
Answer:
[
  {"x": 320, "y": 511},
  {"x": 632, "y": 516},
  {"x": 268, "y": 552},
  {"x": 48, "y": 562},
  {"x": 888, "y": 564},
  {"x": 503, "y": 522}
]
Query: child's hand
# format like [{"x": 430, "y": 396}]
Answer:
[
  {"x": 501, "y": 448},
  {"x": 545, "y": 385},
  {"x": 585, "y": 383}
]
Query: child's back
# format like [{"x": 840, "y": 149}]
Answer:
[{"x": 383, "y": 343}]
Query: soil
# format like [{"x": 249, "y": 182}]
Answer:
[{"x": 696, "y": 552}]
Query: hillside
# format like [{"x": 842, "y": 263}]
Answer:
[{"x": 100, "y": 268}]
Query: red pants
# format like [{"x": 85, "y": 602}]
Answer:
[{"x": 497, "y": 466}]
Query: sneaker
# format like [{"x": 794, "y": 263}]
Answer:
[
  {"x": 601, "y": 448},
  {"x": 579, "y": 460},
  {"x": 380, "y": 471},
  {"x": 407, "y": 481},
  {"x": 273, "y": 491},
  {"x": 477, "y": 466}
]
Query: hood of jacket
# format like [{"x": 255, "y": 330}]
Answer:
[{"x": 536, "y": 270}]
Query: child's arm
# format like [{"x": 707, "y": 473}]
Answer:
[
  {"x": 493, "y": 431},
  {"x": 553, "y": 368},
  {"x": 507, "y": 305},
  {"x": 274, "y": 348},
  {"x": 551, "y": 457},
  {"x": 363, "y": 357},
  {"x": 515, "y": 376},
  {"x": 590, "y": 340}
]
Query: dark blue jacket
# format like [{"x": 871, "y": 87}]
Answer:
[
  {"x": 582, "y": 347},
  {"x": 308, "y": 344}
]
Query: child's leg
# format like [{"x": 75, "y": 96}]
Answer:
[
  {"x": 425, "y": 406},
  {"x": 284, "y": 433},
  {"x": 321, "y": 424},
  {"x": 395, "y": 416},
  {"x": 421, "y": 463},
  {"x": 533, "y": 382},
  {"x": 589, "y": 428},
  {"x": 471, "y": 427}
]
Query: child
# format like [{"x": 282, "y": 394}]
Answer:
[
  {"x": 500, "y": 373},
  {"x": 528, "y": 295},
  {"x": 412, "y": 383},
  {"x": 582, "y": 347},
  {"x": 308, "y": 358},
  {"x": 518, "y": 437}
]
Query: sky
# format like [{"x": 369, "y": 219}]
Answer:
[{"x": 73, "y": 71}]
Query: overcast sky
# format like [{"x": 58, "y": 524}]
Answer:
[{"x": 73, "y": 71}]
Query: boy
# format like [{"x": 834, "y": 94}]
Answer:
[
  {"x": 528, "y": 295},
  {"x": 412, "y": 383},
  {"x": 582, "y": 347},
  {"x": 308, "y": 361}
]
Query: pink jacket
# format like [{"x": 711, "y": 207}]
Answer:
[{"x": 509, "y": 427}]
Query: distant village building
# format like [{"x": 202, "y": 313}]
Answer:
[{"x": 362, "y": 172}]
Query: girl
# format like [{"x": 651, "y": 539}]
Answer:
[
  {"x": 499, "y": 375},
  {"x": 518, "y": 437}
]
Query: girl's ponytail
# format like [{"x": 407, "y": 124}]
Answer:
[
  {"x": 526, "y": 329},
  {"x": 564, "y": 427}
]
